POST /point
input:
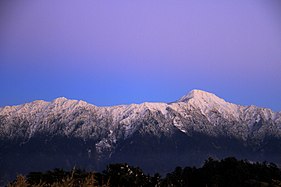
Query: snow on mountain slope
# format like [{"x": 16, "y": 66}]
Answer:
[
  {"x": 198, "y": 111},
  {"x": 208, "y": 102}
]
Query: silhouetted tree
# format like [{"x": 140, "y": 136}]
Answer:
[
  {"x": 228, "y": 172},
  {"x": 125, "y": 175}
]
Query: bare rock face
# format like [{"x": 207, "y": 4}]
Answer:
[{"x": 155, "y": 136}]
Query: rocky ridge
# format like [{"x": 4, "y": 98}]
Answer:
[{"x": 154, "y": 136}]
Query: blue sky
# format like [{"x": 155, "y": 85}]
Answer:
[{"x": 109, "y": 52}]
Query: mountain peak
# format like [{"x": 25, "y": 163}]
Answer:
[
  {"x": 207, "y": 102},
  {"x": 200, "y": 95},
  {"x": 60, "y": 100}
]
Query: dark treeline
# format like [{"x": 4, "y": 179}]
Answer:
[{"x": 227, "y": 172}]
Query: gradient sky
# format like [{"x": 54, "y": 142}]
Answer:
[{"x": 110, "y": 52}]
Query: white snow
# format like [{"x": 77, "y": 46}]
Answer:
[
  {"x": 80, "y": 119},
  {"x": 208, "y": 102}
]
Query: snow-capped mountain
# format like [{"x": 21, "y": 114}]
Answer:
[{"x": 152, "y": 135}]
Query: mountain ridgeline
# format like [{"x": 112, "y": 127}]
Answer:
[{"x": 40, "y": 135}]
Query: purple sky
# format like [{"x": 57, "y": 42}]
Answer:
[{"x": 120, "y": 52}]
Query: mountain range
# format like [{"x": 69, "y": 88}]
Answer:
[{"x": 64, "y": 133}]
